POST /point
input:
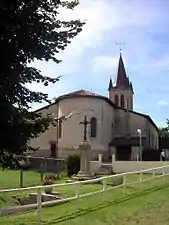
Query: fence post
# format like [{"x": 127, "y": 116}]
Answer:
[
  {"x": 124, "y": 183},
  {"x": 39, "y": 206},
  {"x": 104, "y": 187},
  {"x": 154, "y": 174},
  {"x": 141, "y": 176},
  {"x": 100, "y": 158},
  {"x": 21, "y": 178},
  {"x": 41, "y": 172},
  {"x": 163, "y": 171},
  {"x": 77, "y": 195}
]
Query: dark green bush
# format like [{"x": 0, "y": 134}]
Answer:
[{"x": 73, "y": 164}]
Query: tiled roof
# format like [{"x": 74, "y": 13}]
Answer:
[
  {"x": 84, "y": 93},
  {"x": 81, "y": 92}
]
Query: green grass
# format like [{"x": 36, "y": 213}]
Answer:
[
  {"x": 11, "y": 178},
  {"x": 145, "y": 203}
]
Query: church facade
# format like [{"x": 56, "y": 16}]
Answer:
[{"x": 115, "y": 128}]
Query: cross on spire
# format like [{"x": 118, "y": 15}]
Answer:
[
  {"x": 120, "y": 44},
  {"x": 85, "y": 123}
]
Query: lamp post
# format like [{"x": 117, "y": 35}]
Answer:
[{"x": 139, "y": 131}]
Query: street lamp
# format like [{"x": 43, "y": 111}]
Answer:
[{"x": 139, "y": 131}]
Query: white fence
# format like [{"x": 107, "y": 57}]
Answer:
[{"x": 77, "y": 196}]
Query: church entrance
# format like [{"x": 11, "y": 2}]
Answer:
[{"x": 123, "y": 153}]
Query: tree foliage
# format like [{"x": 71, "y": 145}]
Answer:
[
  {"x": 73, "y": 164},
  {"x": 29, "y": 30},
  {"x": 164, "y": 137}
]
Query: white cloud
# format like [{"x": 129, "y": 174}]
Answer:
[
  {"x": 162, "y": 103},
  {"x": 104, "y": 63},
  {"x": 108, "y": 21}
]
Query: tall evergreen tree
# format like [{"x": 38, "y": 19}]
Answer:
[{"x": 29, "y": 30}]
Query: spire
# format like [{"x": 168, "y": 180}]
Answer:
[
  {"x": 122, "y": 80},
  {"x": 110, "y": 85},
  {"x": 131, "y": 87}
]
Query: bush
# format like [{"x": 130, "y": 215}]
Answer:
[
  {"x": 73, "y": 164},
  {"x": 51, "y": 175}
]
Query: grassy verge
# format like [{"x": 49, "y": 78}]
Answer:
[
  {"x": 10, "y": 179},
  {"x": 145, "y": 203}
]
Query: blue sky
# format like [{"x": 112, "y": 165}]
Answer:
[{"x": 92, "y": 57}]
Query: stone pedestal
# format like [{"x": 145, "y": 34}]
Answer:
[{"x": 84, "y": 172}]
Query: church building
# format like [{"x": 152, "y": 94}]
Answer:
[{"x": 114, "y": 128}]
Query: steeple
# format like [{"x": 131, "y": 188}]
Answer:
[
  {"x": 131, "y": 87},
  {"x": 122, "y": 80},
  {"x": 121, "y": 93},
  {"x": 110, "y": 85}
]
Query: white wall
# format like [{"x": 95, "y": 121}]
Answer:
[
  {"x": 42, "y": 141},
  {"x": 130, "y": 166},
  {"x": 95, "y": 166},
  {"x": 72, "y": 131}
]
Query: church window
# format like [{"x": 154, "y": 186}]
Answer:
[
  {"x": 116, "y": 100},
  {"x": 93, "y": 127},
  {"x": 59, "y": 129},
  {"x": 122, "y": 100}
]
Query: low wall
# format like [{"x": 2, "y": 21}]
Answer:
[
  {"x": 95, "y": 166},
  {"x": 130, "y": 166}
]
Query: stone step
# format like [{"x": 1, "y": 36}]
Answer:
[{"x": 105, "y": 170}]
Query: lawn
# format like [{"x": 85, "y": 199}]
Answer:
[
  {"x": 145, "y": 203},
  {"x": 11, "y": 178}
]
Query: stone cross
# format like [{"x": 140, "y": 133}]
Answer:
[{"x": 85, "y": 123}]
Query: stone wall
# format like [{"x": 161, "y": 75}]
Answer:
[
  {"x": 95, "y": 166},
  {"x": 130, "y": 166}
]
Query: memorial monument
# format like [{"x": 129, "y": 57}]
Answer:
[{"x": 84, "y": 149}]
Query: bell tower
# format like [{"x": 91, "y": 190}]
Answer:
[{"x": 121, "y": 93}]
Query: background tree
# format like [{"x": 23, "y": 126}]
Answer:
[
  {"x": 29, "y": 30},
  {"x": 164, "y": 137}
]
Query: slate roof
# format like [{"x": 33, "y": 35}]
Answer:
[{"x": 122, "y": 80}]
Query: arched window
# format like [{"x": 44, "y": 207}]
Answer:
[
  {"x": 93, "y": 126},
  {"x": 116, "y": 100},
  {"x": 122, "y": 101}
]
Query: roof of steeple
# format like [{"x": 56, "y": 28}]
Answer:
[
  {"x": 131, "y": 87},
  {"x": 122, "y": 80},
  {"x": 110, "y": 85}
]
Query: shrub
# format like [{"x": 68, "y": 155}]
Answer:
[
  {"x": 73, "y": 164},
  {"x": 48, "y": 180},
  {"x": 51, "y": 175}
]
